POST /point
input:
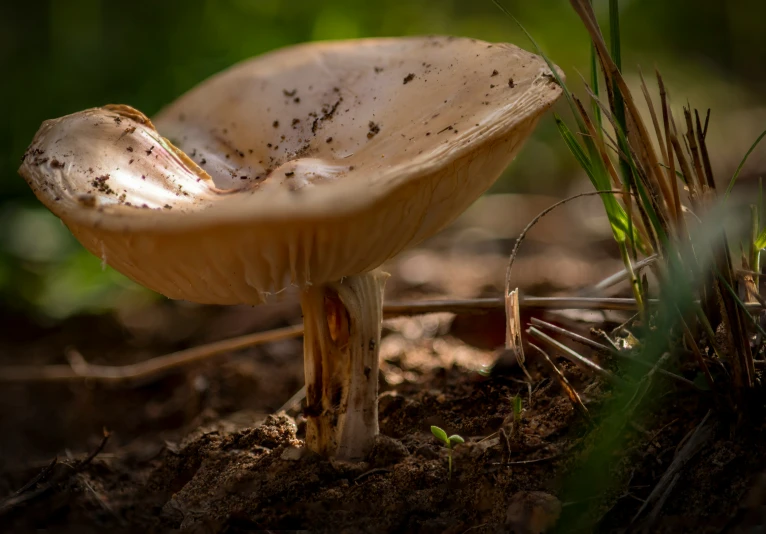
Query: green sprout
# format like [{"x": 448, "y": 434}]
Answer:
[
  {"x": 517, "y": 406},
  {"x": 449, "y": 442}
]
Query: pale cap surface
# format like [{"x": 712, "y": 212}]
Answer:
[{"x": 300, "y": 166}]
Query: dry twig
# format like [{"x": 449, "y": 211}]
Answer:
[
  {"x": 64, "y": 479},
  {"x": 660, "y": 493},
  {"x": 573, "y": 356},
  {"x": 80, "y": 369},
  {"x": 612, "y": 351},
  {"x": 574, "y": 397}
]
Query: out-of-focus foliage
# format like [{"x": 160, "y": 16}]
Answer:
[{"x": 61, "y": 56}]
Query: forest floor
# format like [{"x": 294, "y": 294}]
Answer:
[{"x": 201, "y": 449}]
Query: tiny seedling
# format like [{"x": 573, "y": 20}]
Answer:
[
  {"x": 449, "y": 442},
  {"x": 517, "y": 406}
]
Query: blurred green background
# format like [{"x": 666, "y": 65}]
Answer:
[{"x": 61, "y": 56}]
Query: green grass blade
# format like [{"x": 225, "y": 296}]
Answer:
[
  {"x": 679, "y": 174},
  {"x": 614, "y": 27},
  {"x": 596, "y": 171},
  {"x": 516, "y": 401},
  {"x": 619, "y": 102},
  {"x": 760, "y": 241},
  {"x": 594, "y": 85},
  {"x": 593, "y": 167},
  {"x": 551, "y": 66},
  {"x": 742, "y": 164},
  {"x": 573, "y": 145},
  {"x": 740, "y": 304},
  {"x": 649, "y": 207}
]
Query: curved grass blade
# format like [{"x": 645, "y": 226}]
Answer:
[{"x": 742, "y": 164}]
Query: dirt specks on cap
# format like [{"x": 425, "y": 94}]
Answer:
[
  {"x": 100, "y": 183},
  {"x": 374, "y": 129}
]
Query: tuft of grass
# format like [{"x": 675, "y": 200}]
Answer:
[
  {"x": 670, "y": 207},
  {"x": 617, "y": 148}
]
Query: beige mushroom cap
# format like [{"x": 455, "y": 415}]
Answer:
[{"x": 301, "y": 166}]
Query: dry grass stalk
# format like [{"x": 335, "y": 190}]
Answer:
[
  {"x": 573, "y": 356},
  {"x": 79, "y": 369},
  {"x": 656, "y": 192},
  {"x": 574, "y": 397}
]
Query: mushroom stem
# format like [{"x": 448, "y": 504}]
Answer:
[{"x": 342, "y": 322}]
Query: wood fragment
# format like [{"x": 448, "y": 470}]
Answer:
[{"x": 513, "y": 341}]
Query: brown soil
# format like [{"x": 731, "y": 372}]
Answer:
[{"x": 181, "y": 457}]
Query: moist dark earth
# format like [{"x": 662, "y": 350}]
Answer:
[{"x": 206, "y": 449}]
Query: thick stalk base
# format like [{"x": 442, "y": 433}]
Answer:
[{"x": 342, "y": 322}]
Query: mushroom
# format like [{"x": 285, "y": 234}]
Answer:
[{"x": 309, "y": 166}]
